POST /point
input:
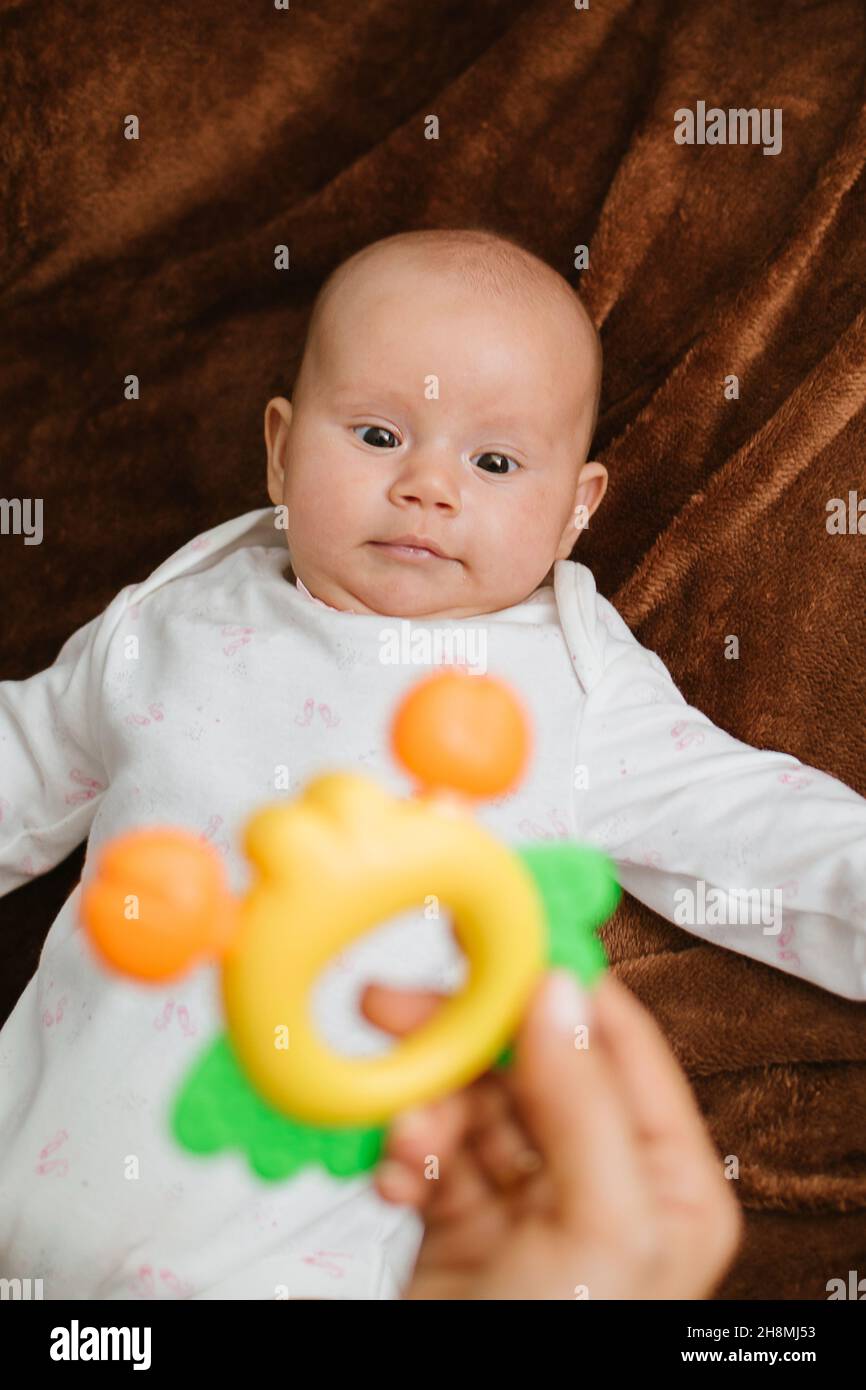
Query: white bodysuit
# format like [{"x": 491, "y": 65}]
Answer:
[{"x": 185, "y": 703}]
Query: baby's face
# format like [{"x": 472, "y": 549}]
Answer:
[{"x": 429, "y": 411}]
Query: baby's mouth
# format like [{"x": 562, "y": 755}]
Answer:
[{"x": 408, "y": 552}]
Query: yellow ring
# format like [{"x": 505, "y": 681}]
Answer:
[{"x": 333, "y": 865}]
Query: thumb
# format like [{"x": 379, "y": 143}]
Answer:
[
  {"x": 556, "y": 1026},
  {"x": 565, "y": 1094}
]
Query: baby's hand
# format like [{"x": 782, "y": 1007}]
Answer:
[{"x": 575, "y": 1173}]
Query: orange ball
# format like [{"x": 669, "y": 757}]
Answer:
[
  {"x": 462, "y": 732},
  {"x": 158, "y": 902}
]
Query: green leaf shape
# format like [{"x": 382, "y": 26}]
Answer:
[
  {"x": 579, "y": 890},
  {"x": 217, "y": 1109}
]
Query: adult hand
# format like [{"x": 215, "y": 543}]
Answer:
[{"x": 624, "y": 1197}]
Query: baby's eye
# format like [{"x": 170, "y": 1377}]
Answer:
[
  {"x": 378, "y": 430},
  {"x": 501, "y": 458}
]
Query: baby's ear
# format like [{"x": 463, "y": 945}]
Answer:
[
  {"x": 591, "y": 487},
  {"x": 278, "y": 419}
]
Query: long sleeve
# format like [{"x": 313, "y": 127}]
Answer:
[
  {"x": 51, "y": 769},
  {"x": 747, "y": 848}
]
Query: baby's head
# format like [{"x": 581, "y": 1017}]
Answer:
[{"x": 448, "y": 392}]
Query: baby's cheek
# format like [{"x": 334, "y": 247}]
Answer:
[
  {"x": 321, "y": 497},
  {"x": 310, "y": 511},
  {"x": 524, "y": 547}
]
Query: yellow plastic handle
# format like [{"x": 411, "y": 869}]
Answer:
[{"x": 331, "y": 866}]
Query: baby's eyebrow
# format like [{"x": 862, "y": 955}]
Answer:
[
  {"x": 360, "y": 395},
  {"x": 512, "y": 424},
  {"x": 519, "y": 428}
]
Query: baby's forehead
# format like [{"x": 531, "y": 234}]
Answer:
[{"x": 533, "y": 293}]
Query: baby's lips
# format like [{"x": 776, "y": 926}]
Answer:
[{"x": 158, "y": 902}]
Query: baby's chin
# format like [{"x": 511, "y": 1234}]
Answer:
[{"x": 423, "y": 597}]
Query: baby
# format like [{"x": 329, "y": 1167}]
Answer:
[
  {"x": 430, "y": 478},
  {"x": 448, "y": 396}
]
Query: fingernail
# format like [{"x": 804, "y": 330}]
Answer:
[
  {"x": 395, "y": 1180},
  {"x": 391, "y": 1172},
  {"x": 410, "y": 1123},
  {"x": 565, "y": 1003}
]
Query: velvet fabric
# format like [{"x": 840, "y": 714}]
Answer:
[{"x": 307, "y": 128}]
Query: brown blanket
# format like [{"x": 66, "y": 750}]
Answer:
[{"x": 305, "y": 127}]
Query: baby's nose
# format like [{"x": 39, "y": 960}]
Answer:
[{"x": 430, "y": 480}]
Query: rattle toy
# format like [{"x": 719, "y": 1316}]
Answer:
[{"x": 330, "y": 866}]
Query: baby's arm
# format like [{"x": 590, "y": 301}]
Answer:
[
  {"x": 51, "y": 769},
  {"x": 673, "y": 799}
]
